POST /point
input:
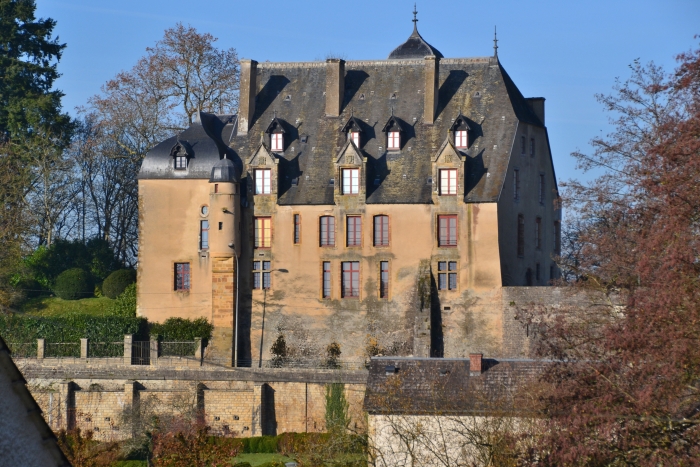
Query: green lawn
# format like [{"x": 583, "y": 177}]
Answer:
[
  {"x": 257, "y": 459},
  {"x": 54, "y": 306}
]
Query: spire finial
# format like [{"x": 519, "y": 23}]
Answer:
[
  {"x": 415, "y": 18},
  {"x": 495, "y": 43}
]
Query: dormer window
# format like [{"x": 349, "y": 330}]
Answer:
[
  {"x": 394, "y": 140},
  {"x": 180, "y": 162},
  {"x": 180, "y": 153},
  {"x": 460, "y": 129},
  {"x": 461, "y": 139},
  {"x": 353, "y": 128},
  {"x": 277, "y": 142},
  {"x": 355, "y": 137}
]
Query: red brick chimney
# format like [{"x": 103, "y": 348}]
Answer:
[{"x": 475, "y": 367}]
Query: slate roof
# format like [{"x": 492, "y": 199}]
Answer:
[
  {"x": 206, "y": 143},
  {"x": 414, "y": 47},
  {"x": 445, "y": 386}
]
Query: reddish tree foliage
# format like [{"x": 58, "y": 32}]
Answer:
[
  {"x": 188, "y": 444},
  {"x": 627, "y": 377}
]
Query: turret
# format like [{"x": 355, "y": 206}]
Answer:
[{"x": 224, "y": 202}]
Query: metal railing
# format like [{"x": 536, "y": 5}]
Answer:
[
  {"x": 23, "y": 349},
  {"x": 141, "y": 353},
  {"x": 105, "y": 349},
  {"x": 177, "y": 349},
  {"x": 62, "y": 349}
]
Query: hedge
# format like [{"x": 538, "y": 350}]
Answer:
[
  {"x": 117, "y": 282},
  {"x": 73, "y": 284},
  {"x": 181, "y": 329}
]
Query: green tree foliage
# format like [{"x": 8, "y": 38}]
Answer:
[
  {"x": 337, "y": 418},
  {"x": 74, "y": 284},
  {"x": 71, "y": 328},
  {"x": 117, "y": 282},
  {"x": 125, "y": 304},
  {"x": 279, "y": 351},
  {"x": 181, "y": 329}
]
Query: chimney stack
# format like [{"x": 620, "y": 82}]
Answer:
[
  {"x": 537, "y": 106},
  {"x": 432, "y": 70},
  {"x": 475, "y": 366},
  {"x": 335, "y": 86},
  {"x": 248, "y": 88}
]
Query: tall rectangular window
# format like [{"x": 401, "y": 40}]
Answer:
[
  {"x": 541, "y": 190},
  {"x": 261, "y": 274},
  {"x": 297, "y": 229},
  {"x": 384, "y": 279},
  {"x": 263, "y": 232},
  {"x": 516, "y": 184},
  {"x": 532, "y": 147},
  {"x": 461, "y": 140},
  {"x": 204, "y": 235},
  {"x": 381, "y": 230},
  {"x": 182, "y": 276},
  {"x": 262, "y": 181},
  {"x": 448, "y": 181},
  {"x": 326, "y": 292},
  {"x": 354, "y": 231},
  {"x": 447, "y": 230},
  {"x": 327, "y": 230},
  {"x": 447, "y": 275},
  {"x": 351, "y": 181},
  {"x": 538, "y": 233},
  {"x": 557, "y": 237},
  {"x": 350, "y": 286},
  {"x": 394, "y": 140},
  {"x": 277, "y": 142},
  {"x": 522, "y": 145},
  {"x": 521, "y": 235}
]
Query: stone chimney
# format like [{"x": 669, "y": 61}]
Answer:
[
  {"x": 248, "y": 89},
  {"x": 475, "y": 366},
  {"x": 335, "y": 86},
  {"x": 537, "y": 106},
  {"x": 432, "y": 70}
]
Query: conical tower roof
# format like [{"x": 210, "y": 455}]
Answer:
[{"x": 415, "y": 46}]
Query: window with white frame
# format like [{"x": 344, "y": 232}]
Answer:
[
  {"x": 461, "y": 139},
  {"x": 180, "y": 162},
  {"x": 261, "y": 274},
  {"x": 355, "y": 137},
  {"x": 351, "y": 181},
  {"x": 262, "y": 181},
  {"x": 277, "y": 141},
  {"x": 448, "y": 181},
  {"x": 394, "y": 140}
]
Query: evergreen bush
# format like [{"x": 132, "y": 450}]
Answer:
[
  {"x": 74, "y": 284},
  {"x": 125, "y": 304},
  {"x": 117, "y": 282},
  {"x": 71, "y": 328},
  {"x": 181, "y": 329}
]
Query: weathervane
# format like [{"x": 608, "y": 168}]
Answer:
[{"x": 415, "y": 18}]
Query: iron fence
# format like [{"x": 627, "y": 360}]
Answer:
[
  {"x": 177, "y": 349},
  {"x": 105, "y": 349},
  {"x": 22, "y": 349},
  {"x": 62, "y": 349}
]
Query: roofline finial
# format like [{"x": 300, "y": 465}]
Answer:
[
  {"x": 495, "y": 43},
  {"x": 415, "y": 18}
]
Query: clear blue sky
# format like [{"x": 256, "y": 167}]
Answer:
[{"x": 563, "y": 50}]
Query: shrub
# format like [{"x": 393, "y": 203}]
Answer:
[
  {"x": 30, "y": 288},
  {"x": 125, "y": 304},
  {"x": 117, "y": 282},
  {"x": 279, "y": 351},
  {"x": 73, "y": 284},
  {"x": 70, "y": 328},
  {"x": 181, "y": 329},
  {"x": 332, "y": 355}
]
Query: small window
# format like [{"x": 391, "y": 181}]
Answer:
[
  {"x": 180, "y": 162},
  {"x": 447, "y": 231},
  {"x": 182, "y": 276},
  {"x": 516, "y": 184},
  {"x": 262, "y": 181},
  {"x": 204, "y": 210},
  {"x": 541, "y": 191},
  {"x": 538, "y": 233},
  {"x": 522, "y": 145},
  {"x": 447, "y": 275},
  {"x": 263, "y": 232},
  {"x": 381, "y": 230},
  {"x": 216, "y": 188},
  {"x": 384, "y": 279},
  {"x": 327, "y": 230},
  {"x": 350, "y": 286},
  {"x": 461, "y": 139},
  {"x": 326, "y": 292},
  {"x": 204, "y": 235},
  {"x": 355, "y": 137},
  {"x": 521, "y": 235},
  {"x": 354, "y": 231},
  {"x": 261, "y": 274},
  {"x": 297, "y": 229},
  {"x": 277, "y": 142},
  {"x": 394, "y": 140},
  {"x": 221, "y": 226},
  {"x": 351, "y": 181},
  {"x": 532, "y": 147},
  {"x": 557, "y": 238},
  {"x": 448, "y": 182}
]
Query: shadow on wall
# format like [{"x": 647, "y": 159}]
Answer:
[
  {"x": 437, "y": 349},
  {"x": 269, "y": 417}
]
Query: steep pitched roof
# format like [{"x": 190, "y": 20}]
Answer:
[{"x": 414, "y": 47}]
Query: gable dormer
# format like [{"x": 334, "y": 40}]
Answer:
[
  {"x": 350, "y": 168},
  {"x": 353, "y": 130},
  {"x": 262, "y": 170},
  {"x": 181, "y": 153},
  {"x": 276, "y": 133},
  {"x": 448, "y": 170},
  {"x": 394, "y": 133},
  {"x": 461, "y": 131}
]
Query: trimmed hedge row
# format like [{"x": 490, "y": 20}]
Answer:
[{"x": 180, "y": 329}]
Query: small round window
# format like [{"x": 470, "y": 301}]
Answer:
[{"x": 205, "y": 210}]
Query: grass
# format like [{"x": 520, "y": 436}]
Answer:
[
  {"x": 54, "y": 306},
  {"x": 257, "y": 459}
]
